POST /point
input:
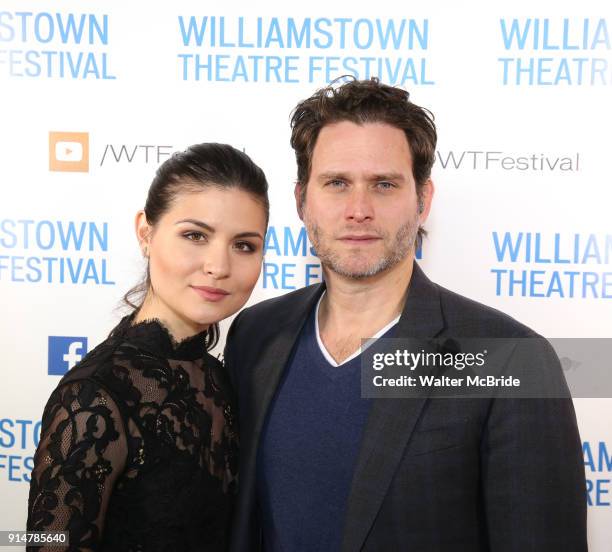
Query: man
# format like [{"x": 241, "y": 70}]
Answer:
[{"x": 323, "y": 468}]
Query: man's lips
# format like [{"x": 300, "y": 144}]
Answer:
[
  {"x": 359, "y": 238},
  {"x": 210, "y": 293}
]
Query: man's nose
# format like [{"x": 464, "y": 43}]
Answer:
[{"x": 359, "y": 206}]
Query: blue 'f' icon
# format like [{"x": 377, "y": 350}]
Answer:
[{"x": 64, "y": 353}]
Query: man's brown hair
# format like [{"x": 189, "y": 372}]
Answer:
[{"x": 363, "y": 101}]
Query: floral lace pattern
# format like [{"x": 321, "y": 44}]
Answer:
[{"x": 138, "y": 448}]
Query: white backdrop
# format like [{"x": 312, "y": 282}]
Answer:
[{"x": 520, "y": 90}]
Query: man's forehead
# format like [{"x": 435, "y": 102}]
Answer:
[
  {"x": 381, "y": 139},
  {"x": 366, "y": 127}
]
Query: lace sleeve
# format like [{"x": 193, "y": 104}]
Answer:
[{"x": 81, "y": 452}]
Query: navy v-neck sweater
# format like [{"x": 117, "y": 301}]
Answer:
[{"x": 308, "y": 449}]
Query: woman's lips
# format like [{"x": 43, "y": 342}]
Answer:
[{"x": 210, "y": 293}]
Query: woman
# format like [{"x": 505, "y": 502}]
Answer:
[{"x": 138, "y": 449}]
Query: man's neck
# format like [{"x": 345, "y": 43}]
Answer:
[{"x": 355, "y": 309}]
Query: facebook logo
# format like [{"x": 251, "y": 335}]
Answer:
[{"x": 64, "y": 353}]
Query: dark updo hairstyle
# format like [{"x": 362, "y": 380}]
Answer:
[{"x": 197, "y": 168}]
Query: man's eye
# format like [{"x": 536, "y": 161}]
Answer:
[
  {"x": 385, "y": 185},
  {"x": 336, "y": 183}
]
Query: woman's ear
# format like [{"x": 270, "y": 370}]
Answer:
[{"x": 143, "y": 232}]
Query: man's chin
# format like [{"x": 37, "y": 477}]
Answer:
[{"x": 357, "y": 271}]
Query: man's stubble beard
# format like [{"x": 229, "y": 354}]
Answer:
[{"x": 395, "y": 252}]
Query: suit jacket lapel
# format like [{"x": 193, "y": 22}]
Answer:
[
  {"x": 266, "y": 376},
  {"x": 391, "y": 421},
  {"x": 270, "y": 365}
]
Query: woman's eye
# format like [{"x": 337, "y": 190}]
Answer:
[
  {"x": 195, "y": 236},
  {"x": 245, "y": 247}
]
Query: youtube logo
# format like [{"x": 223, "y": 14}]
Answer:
[{"x": 69, "y": 151}]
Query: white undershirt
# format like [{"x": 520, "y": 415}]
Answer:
[{"x": 325, "y": 352}]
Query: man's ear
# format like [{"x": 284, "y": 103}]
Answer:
[
  {"x": 299, "y": 193},
  {"x": 143, "y": 232},
  {"x": 424, "y": 200}
]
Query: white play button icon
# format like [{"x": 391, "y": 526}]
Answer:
[{"x": 69, "y": 151}]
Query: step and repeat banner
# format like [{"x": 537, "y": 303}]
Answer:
[{"x": 94, "y": 96}]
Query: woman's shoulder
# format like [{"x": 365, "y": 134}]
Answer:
[
  {"x": 140, "y": 359},
  {"x": 114, "y": 367},
  {"x": 95, "y": 363}
]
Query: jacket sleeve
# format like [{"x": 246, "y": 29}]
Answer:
[
  {"x": 533, "y": 478},
  {"x": 81, "y": 452}
]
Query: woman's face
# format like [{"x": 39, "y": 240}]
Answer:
[{"x": 205, "y": 257}]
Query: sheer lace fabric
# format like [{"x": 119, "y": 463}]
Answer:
[{"x": 138, "y": 448}]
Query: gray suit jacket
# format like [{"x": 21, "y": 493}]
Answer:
[{"x": 432, "y": 474}]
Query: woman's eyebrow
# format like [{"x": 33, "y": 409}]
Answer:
[
  {"x": 197, "y": 223},
  {"x": 210, "y": 229}
]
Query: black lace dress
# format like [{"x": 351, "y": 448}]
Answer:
[{"x": 138, "y": 449}]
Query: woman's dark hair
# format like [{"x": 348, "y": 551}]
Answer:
[{"x": 199, "y": 167}]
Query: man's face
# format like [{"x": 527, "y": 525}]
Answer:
[{"x": 361, "y": 208}]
